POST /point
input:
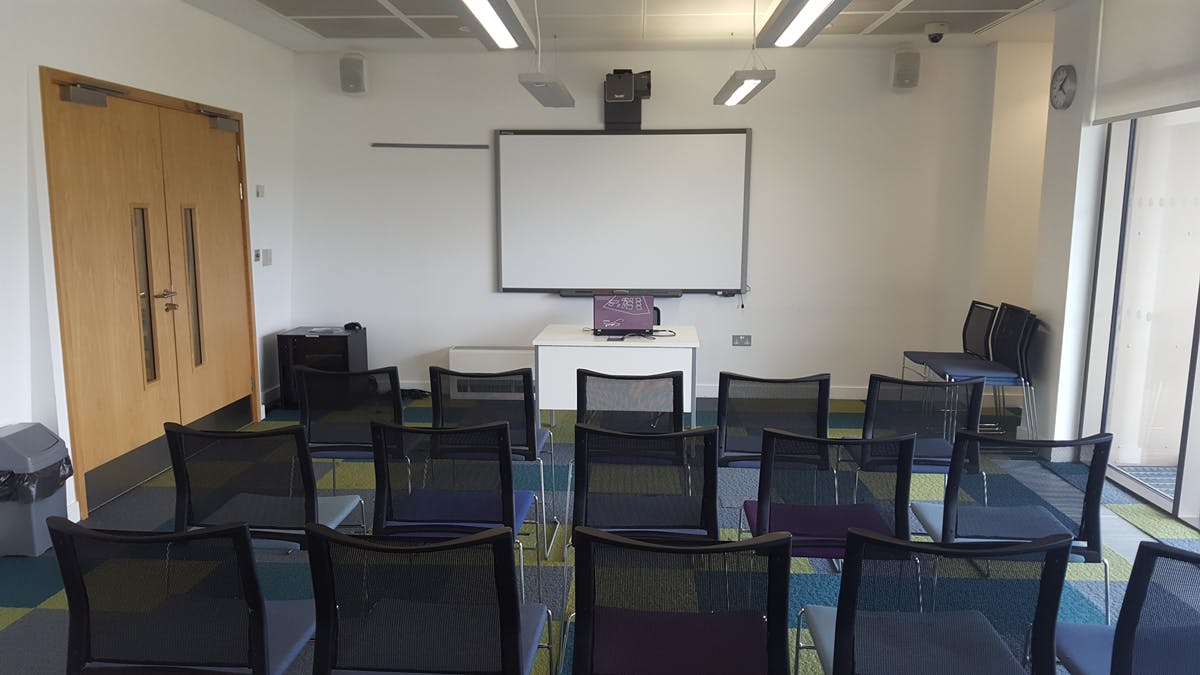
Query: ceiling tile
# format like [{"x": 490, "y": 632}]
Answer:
[
  {"x": 871, "y": 5},
  {"x": 327, "y": 7},
  {"x": 359, "y": 28},
  {"x": 850, "y": 24},
  {"x": 443, "y": 27},
  {"x": 906, "y": 23},
  {"x": 977, "y": 5},
  {"x": 426, "y": 7},
  {"x": 727, "y": 26},
  {"x": 618, "y": 27},
  {"x": 584, "y": 8},
  {"x": 704, "y": 7}
]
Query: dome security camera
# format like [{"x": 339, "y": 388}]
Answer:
[{"x": 936, "y": 31}]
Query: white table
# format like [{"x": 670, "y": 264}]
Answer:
[{"x": 561, "y": 349}]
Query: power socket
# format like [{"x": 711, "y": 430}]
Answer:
[{"x": 741, "y": 340}]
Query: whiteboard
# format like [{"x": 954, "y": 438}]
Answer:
[{"x": 650, "y": 210}]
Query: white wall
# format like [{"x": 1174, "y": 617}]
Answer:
[
  {"x": 1066, "y": 231},
  {"x": 1014, "y": 183},
  {"x": 166, "y": 47},
  {"x": 866, "y": 214}
]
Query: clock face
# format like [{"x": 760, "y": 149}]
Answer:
[{"x": 1062, "y": 87}]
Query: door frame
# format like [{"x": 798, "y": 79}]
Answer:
[{"x": 51, "y": 77}]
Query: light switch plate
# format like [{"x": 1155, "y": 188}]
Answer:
[
  {"x": 266, "y": 257},
  {"x": 741, "y": 340}
]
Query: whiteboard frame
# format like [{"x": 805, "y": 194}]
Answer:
[{"x": 598, "y": 132}]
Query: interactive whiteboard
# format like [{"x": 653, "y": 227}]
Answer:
[{"x": 649, "y": 210}]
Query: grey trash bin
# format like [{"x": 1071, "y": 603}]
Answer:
[{"x": 33, "y": 469}]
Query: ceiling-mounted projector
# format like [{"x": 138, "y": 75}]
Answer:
[{"x": 547, "y": 89}]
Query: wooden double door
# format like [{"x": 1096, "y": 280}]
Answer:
[{"x": 151, "y": 261}]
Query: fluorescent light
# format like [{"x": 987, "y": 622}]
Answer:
[
  {"x": 486, "y": 14},
  {"x": 797, "y": 22},
  {"x": 804, "y": 20},
  {"x": 741, "y": 92},
  {"x": 742, "y": 86}
]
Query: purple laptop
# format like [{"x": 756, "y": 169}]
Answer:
[{"x": 622, "y": 314}]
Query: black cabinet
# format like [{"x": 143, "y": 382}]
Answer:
[{"x": 317, "y": 347}]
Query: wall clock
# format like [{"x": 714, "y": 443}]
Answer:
[{"x": 1062, "y": 87}]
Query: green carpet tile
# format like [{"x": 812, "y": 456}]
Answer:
[{"x": 32, "y": 605}]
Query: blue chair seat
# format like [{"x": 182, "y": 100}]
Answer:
[
  {"x": 819, "y": 531},
  {"x": 910, "y": 643},
  {"x": 638, "y": 642},
  {"x": 615, "y": 512},
  {"x": 1084, "y": 649},
  {"x": 992, "y": 373},
  {"x": 924, "y": 358},
  {"x": 456, "y": 507},
  {"x": 991, "y": 523}
]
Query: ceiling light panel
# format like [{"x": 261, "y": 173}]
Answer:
[
  {"x": 327, "y": 7},
  {"x": 442, "y": 26},
  {"x": 965, "y": 5},
  {"x": 913, "y": 23},
  {"x": 359, "y": 28}
]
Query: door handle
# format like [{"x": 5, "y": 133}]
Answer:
[{"x": 167, "y": 293}]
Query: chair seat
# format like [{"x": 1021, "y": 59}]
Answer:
[
  {"x": 991, "y": 523},
  {"x": 643, "y": 512},
  {"x": 819, "y": 531},
  {"x": 456, "y": 507},
  {"x": 344, "y": 451},
  {"x": 913, "y": 643},
  {"x": 923, "y": 358},
  {"x": 720, "y": 643},
  {"x": 271, "y": 512},
  {"x": 992, "y": 373},
  {"x": 533, "y": 622},
  {"x": 334, "y": 510},
  {"x": 1084, "y": 649}
]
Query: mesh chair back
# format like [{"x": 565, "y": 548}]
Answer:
[
  {"x": 1010, "y": 337},
  {"x": 1160, "y": 616},
  {"x": 471, "y": 399},
  {"x": 909, "y": 607},
  {"x": 799, "y": 471},
  {"x": 934, "y": 411},
  {"x": 261, "y": 478},
  {"x": 337, "y": 408},
  {"x": 647, "y": 482},
  {"x": 186, "y": 599},
  {"x": 447, "y": 607},
  {"x": 747, "y": 405},
  {"x": 429, "y": 476},
  {"x": 644, "y": 404},
  {"x": 977, "y": 329},
  {"x": 1030, "y": 495},
  {"x": 647, "y": 608}
]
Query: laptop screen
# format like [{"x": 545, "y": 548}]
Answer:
[{"x": 620, "y": 314}]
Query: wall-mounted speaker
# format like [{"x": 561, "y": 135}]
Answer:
[
  {"x": 353, "y": 70},
  {"x": 906, "y": 68}
]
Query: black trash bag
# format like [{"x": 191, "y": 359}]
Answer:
[{"x": 27, "y": 488}]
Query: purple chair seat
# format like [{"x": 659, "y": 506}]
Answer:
[
  {"x": 721, "y": 643},
  {"x": 819, "y": 531}
]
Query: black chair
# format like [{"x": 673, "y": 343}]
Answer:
[
  {"x": 1009, "y": 366},
  {"x": 187, "y": 600},
  {"x": 798, "y": 491},
  {"x": 1157, "y": 628},
  {"x": 404, "y": 606},
  {"x": 261, "y": 478},
  {"x": 651, "y": 608},
  {"x": 1035, "y": 503},
  {"x": 657, "y": 486},
  {"x": 470, "y": 399},
  {"x": 976, "y": 341},
  {"x": 934, "y": 411},
  {"x": 337, "y": 409},
  {"x": 643, "y": 404},
  {"x": 445, "y": 481},
  {"x": 907, "y": 607},
  {"x": 746, "y": 405}
]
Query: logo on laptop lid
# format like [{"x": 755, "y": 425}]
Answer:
[{"x": 622, "y": 314}]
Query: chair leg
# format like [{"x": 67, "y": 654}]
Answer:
[
  {"x": 549, "y": 643},
  {"x": 521, "y": 563},
  {"x": 362, "y": 515},
  {"x": 985, "y": 486},
  {"x": 800, "y": 621},
  {"x": 854, "y": 496},
  {"x": 562, "y": 642},
  {"x": 333, "y": 470},
  {"x": 1107, "y": 603}
]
